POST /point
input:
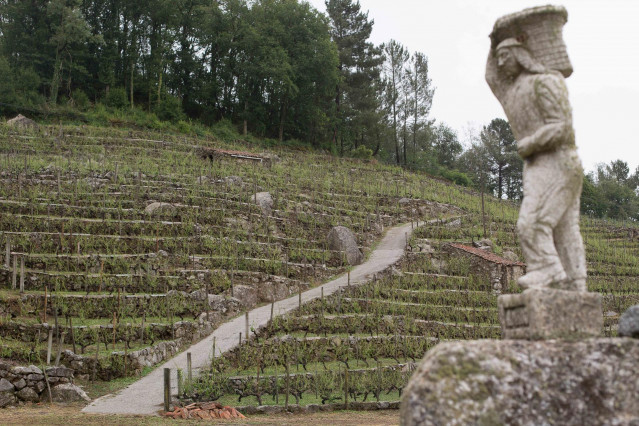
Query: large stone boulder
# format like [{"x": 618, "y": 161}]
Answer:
[
  {"x": 68, "y": 392},
  {"x": 340, "y": 238},
  {"x": 246, "y": 294},
  {"x": 23, "y": 122},
  {"x": 28, "y": 394},
  {"x": 264, "y": 201},
  {"x": 272, "y": 291},
  {"x": 7, "y": 398},
  {"x": 516, "y": 382},
  {"x": 629, "y": 323},
  {"x": 159, "y": 208}
]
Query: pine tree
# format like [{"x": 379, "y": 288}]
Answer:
[{"x": 356, "y": 99}]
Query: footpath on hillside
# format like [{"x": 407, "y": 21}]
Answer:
[{"x": 146, "y": 395}]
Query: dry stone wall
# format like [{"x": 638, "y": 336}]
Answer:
[{"x": 29, "y": 384}]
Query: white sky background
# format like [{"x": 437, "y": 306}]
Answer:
[{"x": 602, "y": 37}]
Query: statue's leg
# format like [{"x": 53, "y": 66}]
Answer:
[
  {"x": 547, "y": 195},
  {"x": 570, "y": 246}
]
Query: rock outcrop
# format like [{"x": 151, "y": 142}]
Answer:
[
  {"x": 159, "y": 208},
  {"x": 23, "y": 122},
  {"x": 340, "y": 238},
  {"x": 264, "y": 201},
  {"x": 629, "y": 323},
  {"x": 516, "y": 382}
]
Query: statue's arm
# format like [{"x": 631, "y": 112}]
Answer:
[{"x": 551, "y": 100}]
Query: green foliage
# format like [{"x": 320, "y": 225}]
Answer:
[
  {"x": 361, "y": 152},
  {"x": 117, "y": 98},
  {"x": 457, "y": 177},
  {"x": 170, "y": 109},
  {"x": 225, "y": 130},
  {"x": 80, "y": 100},
  {"x": 611, "y": 192}
]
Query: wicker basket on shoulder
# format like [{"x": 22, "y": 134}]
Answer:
[{"x": 540, "y": 30}]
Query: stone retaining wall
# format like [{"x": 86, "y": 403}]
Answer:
[
  {"x": 30, "y": 384},
  {"x": 120, "y": 364}
]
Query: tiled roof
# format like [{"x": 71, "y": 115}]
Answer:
[{"x": 491, "y": 257}]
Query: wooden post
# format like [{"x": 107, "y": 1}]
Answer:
[
  {"x": 288, "y": 387},
  {"x": 246, "y": 324},
  {"x": 240, "y": 340},
  {"x": 272, "y": 308},
  {"x": 189, "y": 371},
  {"x": 179, "y": 382},
  {"x": 349, "y": 278},
  {"x": 97, "y": 351},
  {"x": 14, "y": 279},
  {"x": 60, "y": 344},
  {"x": 114, "y": 330},
  {"x": 49, "y": 345},
  {"x": 213, "y": 346},
  {"x": 72, "y": 334},
  {"x": 142, "y": 328},
  {"x": 21, "y": 274},
  {"x": 299, "y": 299},
  {"x": 346, "y": 388},
  {"x": 232, "y": 291},
  {"x": 167, "y": 389},
  {"x": 46, "y": 290},
  {"x": 7, "y": 254}
]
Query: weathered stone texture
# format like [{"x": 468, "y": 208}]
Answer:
[
  {"x": 516, "y": 382},
  {"x": 548, "y": 313},
  {"x": 264, "y": 201},
  {"x": 629, "y": 322},
  {"x": 340, "y": 238},
  {"x": 68, "y": 393}
]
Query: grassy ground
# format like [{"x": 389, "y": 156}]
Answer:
[{"x": 71, "y": 415}]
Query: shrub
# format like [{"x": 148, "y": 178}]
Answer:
[
  {"x": 361, "y": 152},
  {"x": 456, "y": 176},
  {"x": 225, "y": 130},
  {"x": 117, "y": 98},
  {"x": 169, "y": 109},
  {"x": 80, "y": 100}
]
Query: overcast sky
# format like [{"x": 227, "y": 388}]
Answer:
[{"x": 602, "y": 37}]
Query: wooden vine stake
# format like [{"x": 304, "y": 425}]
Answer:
[
  {"x": 49, "y": 345},
  {"x": 167, "y": 389},
  {"x": 346, "y": 388},
  {"x": 21, "y": 274},
  {"x": 114, "y": 319},
  {"x": 14, "y": 278},
  {"x": 246, "y": 324},
  {"x": 44, "y": 318},
  {"x": 7, "y": 254},
  {"x": 60, "y": 344},
  {"x": 189, "y": 370}
]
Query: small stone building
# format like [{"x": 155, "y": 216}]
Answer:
[{"x": 499, "y": 270}]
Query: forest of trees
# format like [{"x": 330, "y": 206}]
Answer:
[{"x": 276, "y": 69}]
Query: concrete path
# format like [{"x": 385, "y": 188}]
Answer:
[{"x": 146, "y": 395}]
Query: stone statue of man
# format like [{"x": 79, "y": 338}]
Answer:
[{"x": 535, "y": 100}]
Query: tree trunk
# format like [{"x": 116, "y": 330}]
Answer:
[
  {"x": 55, "y": 81},
  {"x": 245, "y": 129},
  {"x": 282, "y": 119}
]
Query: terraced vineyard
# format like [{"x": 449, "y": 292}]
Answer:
[
  {"x": 361, "y": 343},
  {"x": 121, "y": 247}
]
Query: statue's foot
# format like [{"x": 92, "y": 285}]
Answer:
[{"x": 542, "y": 278}]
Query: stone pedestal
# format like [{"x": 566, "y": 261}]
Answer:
[
  {"x": 589, "y": 382},
  {"x": 550, "y": 314}
]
